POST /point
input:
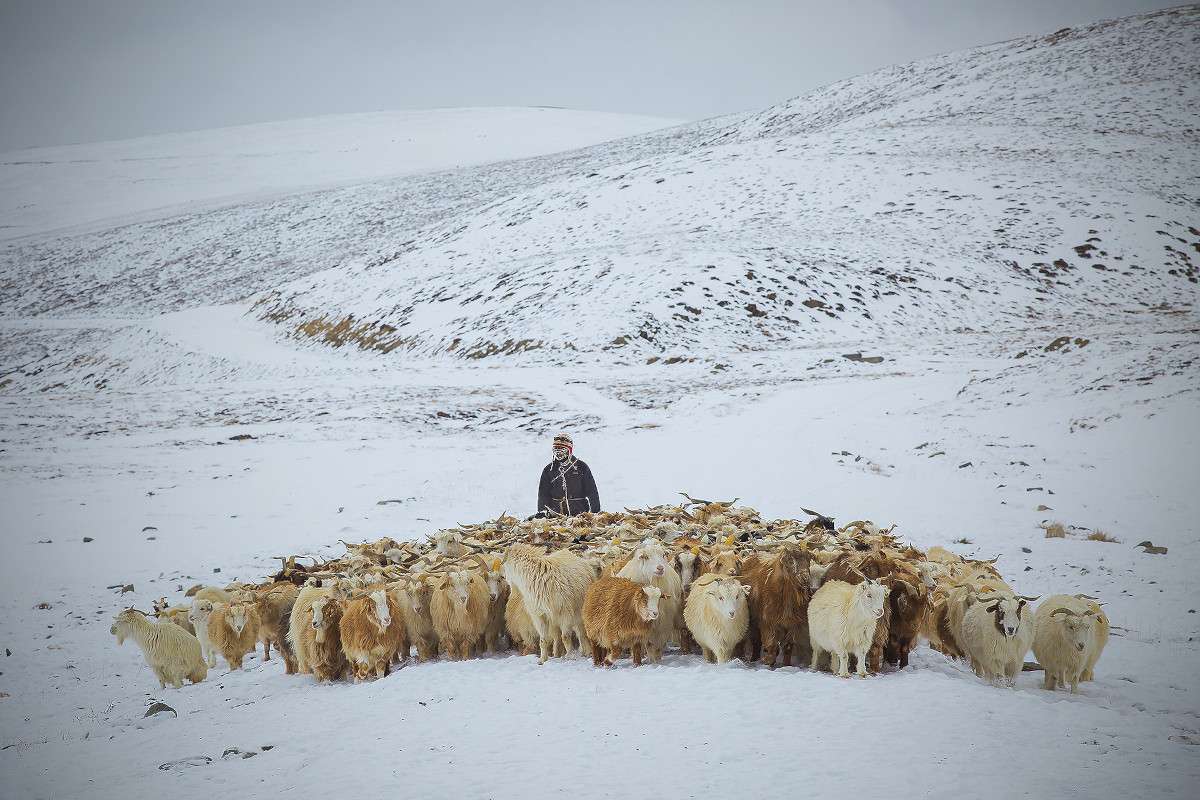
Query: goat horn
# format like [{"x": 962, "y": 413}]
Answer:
[
  {"x": 1086, "y": 597},
  {"x": 1027, "y": 598},
  {"x": 1064, "y": 611}
]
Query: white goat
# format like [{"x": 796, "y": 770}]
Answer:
[
  {"x": 553, "y": 587},
  {"x": 1069, "y": 635},
  {"x": 997, "y": 632},
  {"x": 199, "y": 615},
  {"x": 717, "y": 614},
  {"x": 172, "y": 652},
  {"x": 841, "y": 620}
]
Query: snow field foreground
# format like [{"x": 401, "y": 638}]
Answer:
[{"x": 769, "y": 431}]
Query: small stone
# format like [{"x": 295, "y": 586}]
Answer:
[
  {"x": 1026, "y": 550},
  {"x": 158, "y": 708},
  {"x": 216, "y": 569},
  {"x": 87, "y": 539}
]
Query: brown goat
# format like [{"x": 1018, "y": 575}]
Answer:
[
  {"x": 908, "y": 599},
  {"x": 275, "y": 603},
  {"x": 725, "y": 563},
  {"x": 618, "y": 614},
  {"x": 325, "y": 656},
  {"x": 233, "y": 630},
  {"x": 779, "y": 595}
]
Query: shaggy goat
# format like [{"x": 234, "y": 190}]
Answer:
[
  {"x": 300, "y": 622},
  {"x": 233, "y": 629},
  {"x": 498, "y": 593},
  {"x": 553, "y": 587},
  {"x": 619, "y": 614},
  {"x": 521, "y": 631},
  {"x": 650, "y": 566},
  {"x": 717, "y": 614},
  {"x": 460, "y": 611},
  {"x": 199, "y": 616},
  {"x": 319, "y": 646},
  {"x": 275, "y": 603},
  {"x": 418, "y": 616},
  {"x": 372, "y": 632},
  {"x": 779, "y": 597},
  {"x": 1067, "y": 639},
  {"x": 842, "y": 619},
  {"x": 997, "y": 632},
  {"x": 172, "y": 652}
]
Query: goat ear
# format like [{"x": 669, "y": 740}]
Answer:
[{"x": 993, "y": 608}]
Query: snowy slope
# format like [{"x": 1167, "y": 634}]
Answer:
[
  {"x": 96, "y": 185},
  {"x": 1045, "y": 175},
  {"x": 973, "y": 410}
]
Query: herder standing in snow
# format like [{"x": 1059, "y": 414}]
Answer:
[{"x": 567, "y": 486}]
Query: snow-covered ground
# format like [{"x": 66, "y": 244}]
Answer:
[{"x": 130, "y": 356}]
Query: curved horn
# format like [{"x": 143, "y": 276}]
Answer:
[
  {"x": 1086, "y": 597},
  {"x": 1067, "y": 611},
  {"x": 1026, "y": 598}
]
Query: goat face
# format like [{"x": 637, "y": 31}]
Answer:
[
  {"x": 199, "y": 613},
  {"x": 724, "y": 563},
  {"x": 727, "y": 597},
  {"x": 443, "y": 539},
  {"x": 383, "y": 614},
  {"x": 459, "y": 584},
  {"x": 1007, "y": 614},
  {"x": 419, "y": 592},
  {"x": 651, "y": 560},
  {"x": 874, "y": 595},
  {"x": 318, "y": 614},
  {"x": 1080, "y": 629},
  {"x": 495, "y": 584},
  {"x": 687, "y": 565},
  {"x": 237, "y": 617},
  {"x": 649, "y": 612}
]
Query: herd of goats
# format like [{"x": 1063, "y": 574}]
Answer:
[{"x": 702, "y": 574}]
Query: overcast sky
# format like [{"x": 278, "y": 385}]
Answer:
[{"x": 110, "y": 69}]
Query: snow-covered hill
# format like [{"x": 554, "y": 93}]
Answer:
[
  {"x": 990, "y": 188},
  {"x": 101, "y": 184}
]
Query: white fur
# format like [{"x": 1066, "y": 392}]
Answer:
[
  {"x": 172, "y": 652},
  {"x": 717, "y": 614},
  {"x": 841, "y": 620},
  {"x": 1067, "y": 644},
  {"x": 995, "y": 655},
  {"x": 198, "y": 615},
  {"x": 553, "y": 588}
]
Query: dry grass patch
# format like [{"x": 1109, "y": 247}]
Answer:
[
  {"x": 1056, "y": 530},
  {"x": 1102, "y": 536}
]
